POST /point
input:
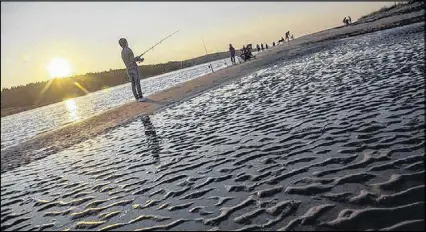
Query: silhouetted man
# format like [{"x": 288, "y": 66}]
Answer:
[
  {"x": 258, "y": 48},
  {"x": 266, "y": 46},
  {"x": 132, "y": 69},
  {"x": 273, "y": 44},
  {"x": 349, "y": 20},
  {"x": 261, "y": 46},
  {"x": 232, "y": 51}
]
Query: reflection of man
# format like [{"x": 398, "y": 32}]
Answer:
[{"x": 151, "y": 136}]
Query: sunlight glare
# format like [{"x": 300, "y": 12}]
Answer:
[
  {"x": 59, "y": 67},
  {"x": 72, "y": 109}
]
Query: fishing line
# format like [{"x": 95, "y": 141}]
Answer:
[
  {"x": 205, "y": 49},
  {"x": 159, "y": 42}
]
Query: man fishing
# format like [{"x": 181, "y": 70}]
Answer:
[{"x": 132, "y": 69}]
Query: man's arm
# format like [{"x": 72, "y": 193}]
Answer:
[
  {"x": 128, "y": 56},
  {"x": 131, "y": 57}
]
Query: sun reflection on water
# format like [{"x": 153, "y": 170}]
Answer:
[{"x": 72, "y": 109}]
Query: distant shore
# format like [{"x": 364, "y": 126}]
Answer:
[{"x": 66, "y": 136}]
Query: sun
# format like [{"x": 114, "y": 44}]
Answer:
[{"x": 59, "y": 67}]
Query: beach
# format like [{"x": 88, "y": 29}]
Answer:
[
  {"x": 68, "y": 135},
  {"x": 321, "y": 133}
]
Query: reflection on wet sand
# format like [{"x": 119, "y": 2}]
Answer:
[
  {"x": 151, "y": 137},
  {"x": 72, "y": 109}
]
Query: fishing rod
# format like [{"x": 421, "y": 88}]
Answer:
[
  {"x": 210, "y": 65},
  {"x": 159, "y": 42}
]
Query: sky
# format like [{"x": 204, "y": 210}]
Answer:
[{"x": 86, "y": 34}]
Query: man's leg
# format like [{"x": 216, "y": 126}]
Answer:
[
  {"x": 132, "y": 77},
  {"x": 135, "y": 94},
  {"x": 138, "y": 84}
]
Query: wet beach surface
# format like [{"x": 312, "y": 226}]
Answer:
[{"x": 331, "y": 140}]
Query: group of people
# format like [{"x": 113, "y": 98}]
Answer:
[
  {"x": 261, "y": 47},
  {"x": 246, "y": 51},
  {"x": 347, "y": 20}
]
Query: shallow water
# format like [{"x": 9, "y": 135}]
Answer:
[
  {"x": 20, "y": 127},
  {"x": 332, "y": 140}
]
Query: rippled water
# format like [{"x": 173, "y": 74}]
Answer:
[
  {"x": 329, "y": 140},
  {"x": 20, "y": 127}
]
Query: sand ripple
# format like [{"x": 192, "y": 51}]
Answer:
[{"x": 328, "y": 140}]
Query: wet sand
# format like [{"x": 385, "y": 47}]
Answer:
[
  {"x": 51, "y": 142},
  {"x": 330, "y": 140}
]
